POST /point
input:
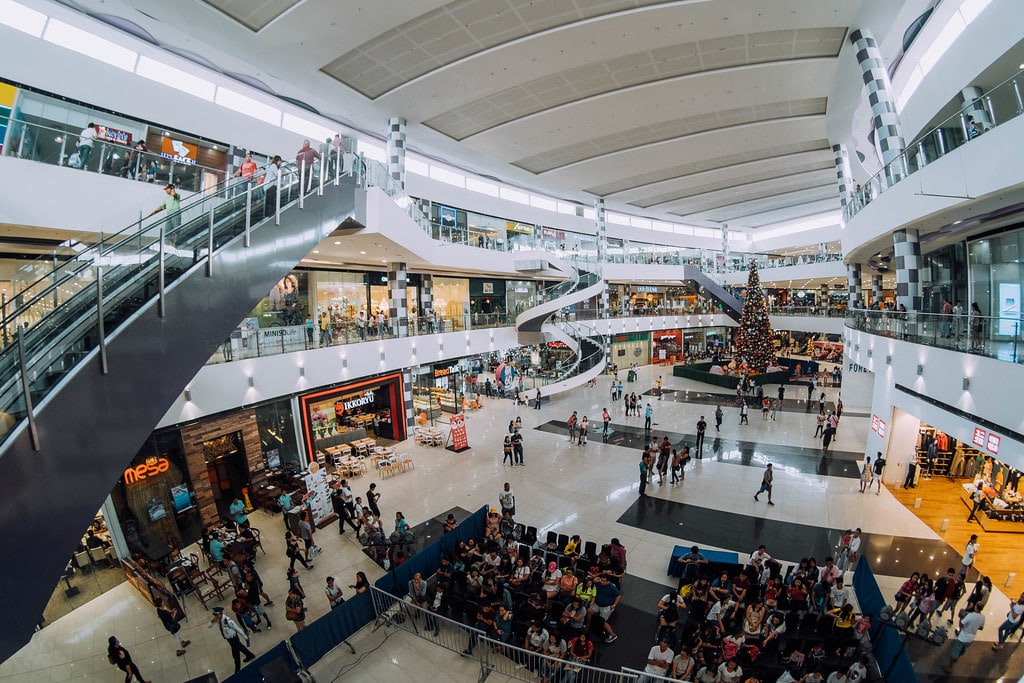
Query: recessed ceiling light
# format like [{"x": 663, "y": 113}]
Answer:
[
  {"x": 337, "y": 242},
  {"x": 363, "y": 253},
  {"x": 316, "y": 251},
  {"x": 383, "y": 260}
]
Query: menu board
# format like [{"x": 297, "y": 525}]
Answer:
[
  {"x": 460, "y": 440},
  {"x": 318, "y": 496}
]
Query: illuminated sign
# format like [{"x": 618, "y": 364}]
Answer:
[
  {"x": 445, "y": 370},
  {"x": 993, "y": 443},
  {"x": 646, "y": 289},
  {"x": 151, "y": 468},
  {"x": 979, "y": 437},
  {"x": 120, "y": 137},
  {"x": 874, "y": 423},
  {"x": 881, "y": 427},
  {"x": 178, "y": 151},
  {"x": 365, "y": 399}
]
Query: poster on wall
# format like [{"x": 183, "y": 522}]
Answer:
[
  {"x": 1009, "y": 309},
  {"x": 318, "y": 496},
  {"x": 460, "y": 440}
]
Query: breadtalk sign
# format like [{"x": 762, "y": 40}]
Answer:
[{"x": 151, "y": 468}]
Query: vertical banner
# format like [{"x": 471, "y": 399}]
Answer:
[
  {"x": 318, "y": 496},
  {"x": 460, "y": 441}
]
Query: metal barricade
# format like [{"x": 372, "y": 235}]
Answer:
[{"x": 448, "y": 633}]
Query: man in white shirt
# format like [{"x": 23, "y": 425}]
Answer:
[
  {"x": 970, "y": 554},
  {"x": 858, "y": 671},
  {"x": 234, "y": 634},
  {"x": 854, "y": 552},
  {"x": 659, "y": 659},
  {"x": 972, "y": 622},
  {"x": 85, "y": 140},
  {"x": 507, "y": 500}
]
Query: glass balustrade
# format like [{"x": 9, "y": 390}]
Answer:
[
  {"x": 989, "y": 336},
  {"x": 1000, "y": 104}
]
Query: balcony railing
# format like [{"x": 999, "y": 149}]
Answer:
[
  {"x": 1002, "y": 103},
  {"x": 989, "y": 336}
]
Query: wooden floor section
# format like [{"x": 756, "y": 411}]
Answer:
[{"x": 1000, "y": 554}]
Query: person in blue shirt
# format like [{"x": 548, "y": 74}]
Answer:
[
  {"x": 217, "y": 550},
  {"x": 648, "y": 414},
  {"x": 605, "y": 602},
  {"x": 237, "y": 512},
  {"x": 285, "y": 501}
]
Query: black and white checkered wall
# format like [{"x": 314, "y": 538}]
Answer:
[
  {"x": 876, "y": 289},
  {"x": 398, "y": 295},
  {"x": 853, "y": 285},
  {"x": 907, "y": 249},
  {"x": 426, "y": 294},
  {"x": 396, "y": 149},
  {"x": 844, "y": 178},
  {"x": 885, "y": 116},
  {"x": 410, "y": 409}
]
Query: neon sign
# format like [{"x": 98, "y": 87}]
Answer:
[{"x": 151, "y": 468}]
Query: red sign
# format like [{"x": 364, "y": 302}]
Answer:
[
  {"x": 881, "y": 427},
  {"x": 979, "y": 437},
  {"x": 874, "y": 423},
  {"x": 460, "y": 440},
  {"x": 993, "y": 443},
  {"x": 121, "y": 137}
]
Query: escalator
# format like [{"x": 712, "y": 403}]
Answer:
[
  {"x": 96, "y": 351},
  {"x": 709, "y": 289}
]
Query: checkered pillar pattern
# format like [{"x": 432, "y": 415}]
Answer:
[
  {"x": 398, "y": 293},
  {"x": 970, "y": 97},
  {"x": 908, "y": 262},
  {"x": 396, "y": 149},
  {"x": 885, "y": 117},
  {"x": 843, "y": 175},
  {"x": 602, "y": 247},
  {"x": 410, "y": 409},
  {"x": 853, "y": 285},
  {"x": 823, "y": 295},
  {"x": 236, "y": 157},
  {"x": 876, "y": 289},
  {"x": 426, "y": 294}
]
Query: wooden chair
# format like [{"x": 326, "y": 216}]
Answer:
[
  {"x": 207, "y": 591},
  {"x": 385, "y": 469},
  {"x": 259, "y": 542},
  {"x": 406, "y": 462}
]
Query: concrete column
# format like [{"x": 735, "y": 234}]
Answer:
[
  {"x": 410, "y": 410},
  {"x": 885, "y": 116},
  {"x": 602, "y": 250},
  {"x": 397, "y": 296},
  {"x": 396, "y": 149},
  {"x": 876, "y": 289},
  {"x": 853, "y": 285},
  {"x": 426, "y": 294},
  {"x": 725, "y": 245},
  {"x": 844, "y": 177},
  {"x": 908, "y": 262},
  {"x": 823, "y": 297}
]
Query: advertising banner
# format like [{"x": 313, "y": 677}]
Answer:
[
  {"x": 318, "y": 496},
  {"x": 460, "y": 440}
]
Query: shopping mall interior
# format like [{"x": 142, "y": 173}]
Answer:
[{"x": 791, "y": 233}]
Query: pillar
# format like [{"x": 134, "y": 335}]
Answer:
[
  {"x": 725, "y": 246},
  {"x": 396, "y": 149},
  {"x": 426, "y": 292},
  {"x": 974, "y": 107},
  {"x": 844, "y": 178},
  {"x": 398, "y": 292},
  {"x": 885, "y": 116},
  {"x": 410, "y": 409},
  {"x": 823, "y": 296},
  {"x": 602, "y": 250},
  {"x": 876, "y": 289},
  {"x": 907, "y": 249},
  {"x": 853, "y": 285}
]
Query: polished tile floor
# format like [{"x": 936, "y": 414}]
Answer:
[{"x": 587, "y": 489}]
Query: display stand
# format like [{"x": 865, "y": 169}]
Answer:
[{"x": 457, "y": 440}]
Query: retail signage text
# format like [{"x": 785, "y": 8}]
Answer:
[
  {"x": 365, "y": 399},
  {"x": 151, "y": 468}
]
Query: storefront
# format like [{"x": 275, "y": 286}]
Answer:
[
  {"x": 370, "y": 408},
  {"x": 486, "y": 300},
  {"x": 667, "y": 346},
  {"x": 631, "y": 347},
  {"x": 646, "y": 299},
  {"x": 451, "y": 300},
  {"x": 943, "y": 470}
]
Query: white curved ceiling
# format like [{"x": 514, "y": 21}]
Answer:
[{"x": 697, "y": 109}]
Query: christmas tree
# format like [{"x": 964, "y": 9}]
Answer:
[{"x": 754, "y": 337}]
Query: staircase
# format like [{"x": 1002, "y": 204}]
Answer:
[
  {"x": 97, "y": 350},
  {"x": 588, "y": 346}
]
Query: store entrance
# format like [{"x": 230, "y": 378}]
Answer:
[{"x": 227, "y": 468}]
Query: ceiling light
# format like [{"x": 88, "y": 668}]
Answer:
[
  {"x": 235, "y": 101},
  {"x": 316, "y": 251},
  {"x": 337, "y": 242},
  {"x": 175, "y": 78},
  {"x": 85, "y": 43},
  {"x": 24, "y": 19},
  {"x": 362, "y": 252}
]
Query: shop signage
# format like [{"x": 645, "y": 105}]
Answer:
[
  {"x": 993, "y": 444},
  {"x": 630, "y": 337},
  {"x": 646, "y": 289},
  {"x": 551, "y": 232},
  {"x": 460, "y": 440},
  {"x": 444, "y": 371},
  {"x": 178, "y": 151},
  {"x": 979, "y": 437},
  {"x": 557, "y": 345},
  {"x": 287, "y": 336},
  {"x": 151, "y": 468},
  {"x": 520, "y": 228},
  {"x": 120, "y": 137},
  {"x": 874, "y": 423},
  {"x": 878, "y": 426},
  {"x": 365, "y": 399},
  {"x": 521, "y": 290}
]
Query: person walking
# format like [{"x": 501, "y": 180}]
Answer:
[
  {"x": 234, "y": 634},
  {"x": 1012, "y": 623},
  {"x": 970, "y": 555},
  {"x": 766, "y": 484},
  {"x": 648, "y": 414},
  {"x": 372, "y": 498},
  {"x": 702, "y": 427},
  {"x": 972, "y": 622},
  {"x": 606, "y": 419},
  {"x": 718, "y": 420},
  {"x": 743, "y": 413},
  {"x": 644, "y": 466},
  {"x": 507, "y": 499},
  {"x": 172, "y": 205},
  {"x": 782, "y": 394},
  {"x": 876, "y": 473},
  {"x": 977, "y": 498},
  {"x": 122, "y": 659},
  {"x": 536, "y": 399},
  {"x": 517, "y": 447},
  {"x": 169, "y": 618},
  {"x": 85, "y": 142},
  {"x": 865, "y": 474}
]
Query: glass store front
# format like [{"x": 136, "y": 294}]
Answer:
[{"x": 370, "y": 408}]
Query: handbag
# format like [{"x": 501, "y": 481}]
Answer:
[
  {"x": 292, "y": 613},
  {"x": 175, "y": 627}
]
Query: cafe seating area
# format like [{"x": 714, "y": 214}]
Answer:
[{"x": 429, "y": 436}]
